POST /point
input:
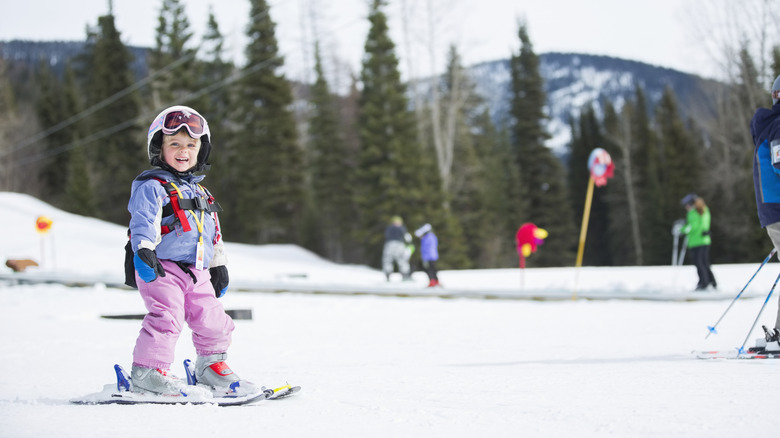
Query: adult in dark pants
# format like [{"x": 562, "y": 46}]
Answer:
[
  {"x": 697, "y": 228},
  {"x": 765, "y": 129}
]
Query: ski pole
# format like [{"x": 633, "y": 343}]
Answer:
[
  {"x": 742, "y": 348},
  {"x": 681, "y": 258},
  {"x": 712, "y": 328}
]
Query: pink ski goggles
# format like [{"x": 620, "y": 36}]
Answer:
[{"x": 175, "y": 120}]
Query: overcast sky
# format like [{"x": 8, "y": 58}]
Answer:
[{"x": 654, "y": 31}]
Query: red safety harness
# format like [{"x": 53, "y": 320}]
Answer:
[{"x": 179, "y": 206}]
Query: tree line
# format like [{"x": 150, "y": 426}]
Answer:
[{"x": 328, "y": 176}]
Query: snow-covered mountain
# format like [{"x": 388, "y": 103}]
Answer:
[{"x": 574, "y": 80}]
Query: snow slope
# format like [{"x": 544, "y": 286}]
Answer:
[{"x": 389, "y": 366}]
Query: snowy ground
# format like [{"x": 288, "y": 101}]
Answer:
[{"x": 390, "y": 366}]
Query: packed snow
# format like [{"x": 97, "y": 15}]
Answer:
[{"x": 388, "y": 360}]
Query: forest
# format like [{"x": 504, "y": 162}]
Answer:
[{"x": 305, "y": 164}]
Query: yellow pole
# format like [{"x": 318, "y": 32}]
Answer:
[{"x": 583, "y": 232}]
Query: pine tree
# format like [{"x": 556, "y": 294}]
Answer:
[
  {"x": 501, "y": 196},
  {"x": 171, "y": 59},
  {"x": 541, "y": 173},
  {"x": 10, "y": 122},
  {"x": 50, "y": 112},
  {"x": 79, "y": 196},
  {"x": 652, "y": 199},
  {"x": 355, "y": 250},
  {"x": 267, "y": 169},
  {"x": 216, "y": 104},
  {"x": 214, "y": 76},
  {"x": 681, "y": 167},
  {"x": 120, "y": 147},
  {"x": 331, "y": 174},
  {"x": 394, "y": 177}
]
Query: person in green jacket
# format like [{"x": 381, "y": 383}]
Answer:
[{"x": 697, "y": 228}]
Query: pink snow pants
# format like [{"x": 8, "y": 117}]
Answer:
[{"x": 174, "y": 299}]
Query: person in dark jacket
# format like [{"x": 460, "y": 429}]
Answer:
[
  {"x": 697, "y": 228},
  {"x": 394, "y": 250},
  {"x": 765, "y": 129}
]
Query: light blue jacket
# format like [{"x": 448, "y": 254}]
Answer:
[{"x": 147, "y": 199}]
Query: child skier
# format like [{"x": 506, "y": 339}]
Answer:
[
  {"x": 179, "y": 260},
  {"x": 429, "y": 252}
]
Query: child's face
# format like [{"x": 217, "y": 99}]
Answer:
[{"x": 180, "y": 151}]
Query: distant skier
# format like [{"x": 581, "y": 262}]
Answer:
[
  {"x": 394, "y": 251},
  {"x": 765, "y": 129},
  {"x": 429, "y": 253},
  {"x": 179, "y": 259},
  {"x": 697, "y": 228}
]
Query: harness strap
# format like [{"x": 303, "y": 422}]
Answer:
[
  {"x": 180, "y": 213},
  {"x": 179, "y": 206},
  {"x": 184, "y": 267}
]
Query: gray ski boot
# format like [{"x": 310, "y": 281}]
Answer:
[
  {"x": 157, "y": 381},
  {"x": 212, "y": 371}
]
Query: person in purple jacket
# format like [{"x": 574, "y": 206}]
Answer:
[
  {"x": 429, "y": 252},
  {"x": 179, "y": 260},
  {"x": 765, "y": 129}
]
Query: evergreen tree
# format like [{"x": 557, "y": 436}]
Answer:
[
  {"x": 79, "y": 196},
  {"x": 171, "y": 60},
  {"x": 216, "y": 105},
  {"x": 267, "y": 169},
  {"x": 541, "y": 173},
  {"x": 10, "y": 124},
  {"x": 331, "y": 174},
  {"x": 652, "y": 199},
  {"x": 51, "y": 111},
  {"x": 394, "y": 177},
  {"x": 681, "y": 167},
  {"x": 355, "y": 250},
  {"x": 501, "y": 196},
  {"x": 119, "y": 148}
]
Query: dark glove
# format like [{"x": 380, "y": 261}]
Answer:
[
  {"x": 147, "y": 265},
  {"x": 220, "y": 280}
]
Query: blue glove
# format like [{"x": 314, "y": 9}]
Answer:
[
  {"x": 147, "y": 265},
  {"x": 220, "y": 280}
]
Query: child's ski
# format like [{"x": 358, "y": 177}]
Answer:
[
  {"x": 122, "y": 393},
  {"x": 110, "y": 395}
]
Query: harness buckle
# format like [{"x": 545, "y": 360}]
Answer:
[{"x": 201, "y": 203}]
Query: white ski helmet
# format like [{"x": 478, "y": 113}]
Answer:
[{"x": 170, "y": 121}]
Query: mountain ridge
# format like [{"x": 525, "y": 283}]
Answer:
[{"x": 572, "y": 80}]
